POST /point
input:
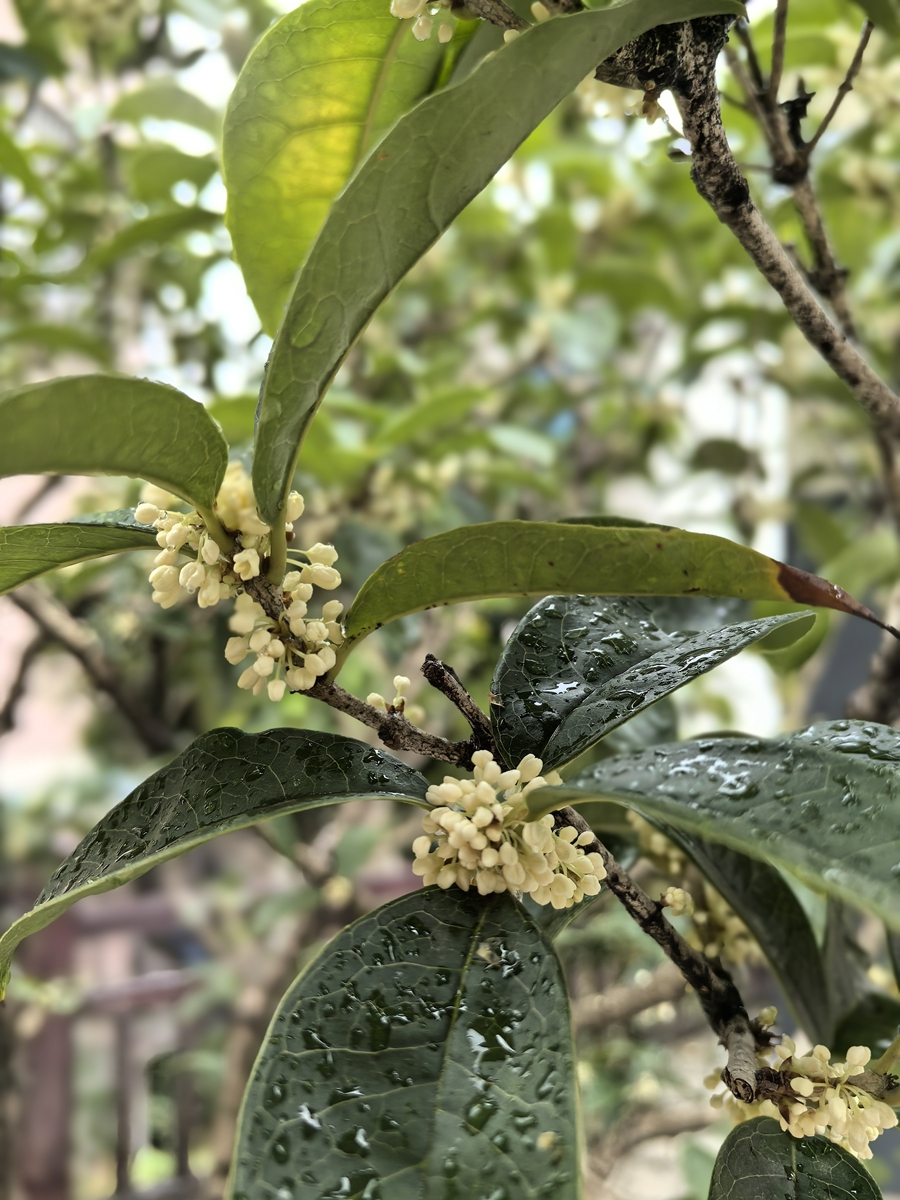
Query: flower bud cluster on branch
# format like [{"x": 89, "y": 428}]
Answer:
[
  {"x": 292, "y": 649},
  {"x": 473, "y": 836},
  {"x": 809, "y": 1094}
]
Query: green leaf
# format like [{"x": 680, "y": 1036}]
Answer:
[
  {"x": 776, "y": 918},
  {"x": 318, "y": 90},
  {"x": 433, "y": 162},
  {"x": 152, "y": 231},
  {"x": 224, "y": 780},
  {"x": 14, "y": 162},
  {"x": 576, "y": 667},
  {"x": 538, "y": 558},
  {"x": 824, "y": 803},
  {"x": 113, "y": 425},
  {"x": 152, "y": 171},
  {"x": 165, "y": 101},
  {"x": 27, "y": 551},
  {"x": 759, "y": 1162},
  {"x": 873, "y": 1021},
  {"x": 426, "y": 1052},
  {"x": 883, "y": 13}
]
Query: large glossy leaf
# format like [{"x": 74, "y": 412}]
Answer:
[
  {"x": 759, "y": 1162},
  {"x": 426, "y": 1052},
  {"x": 30, "y": 550},
  {"x": 318, "y": 90},
  {"x": 576, "y": 667},
  {"x": 426, "y": 170},
  {"x": 873, "y": 1021},
  {"x": 823, "y": 803},
  {"x": 225, "y": 780},
  {"x": 537, "y": 558},
  {"x": 775, "y": 917},
  {"x": 113, "y": 425}
]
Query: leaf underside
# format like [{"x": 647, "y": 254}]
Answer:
[
  {"x": 758, "y": 1161},
  {"x": 426, "y": 1052},
  {"x": 27, "y": 551},
  {"x": 113, "y": 425},
  {"x": 823, "y": 804},
  {"x": 321, "y": 86},
  {"x": 576, "y": 667},
  {"x": 433, "y": 162},
  {"x": 224, "y": 780}
]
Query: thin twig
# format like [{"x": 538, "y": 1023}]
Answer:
[
  {"x": 846, "y": 86},
  {"x": 446, "y": 681},
  {"x": 17, "y": 687},
  {"x": 57, "y": 624},
  {"x": 719, "y": 180},
  {"x": 719, "y": 998},
  {"x": 743, "y": 31},
  {"x": 498, "y": 13},
  {"x": 779, "y": 39},
  {"x": 636, "y": 1127}
]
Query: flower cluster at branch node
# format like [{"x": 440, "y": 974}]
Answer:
[
  {"x": 473, "y": 836},
  {"x": 291, "y": 649},
  {"x": 816, "y": 1096},
  {"x": 678, "y": 901},
  {"x": 423, "y": 13}
]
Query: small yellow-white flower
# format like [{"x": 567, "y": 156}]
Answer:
[{"x": 473, "y": 836}]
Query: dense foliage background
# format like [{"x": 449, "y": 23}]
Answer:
[{"x": 585, "y": 339}]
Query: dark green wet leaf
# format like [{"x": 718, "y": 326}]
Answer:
[
  {"x": 759, "y": 1162},
  {"x": 224, "y": 780},
  {"x": 775, "y": 917},
  {"x": 113, "y": 425},
  {"x": 426, "y": 1052},
  {"x": 576, "y": 667},
  {"x": 824, "y": 803},
  {"x": 431, "y": 164},
  {"x": 27, "y": 551},
  {"x": 846, "y": 963}
]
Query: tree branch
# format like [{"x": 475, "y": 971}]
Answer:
[
  {"x": 17, "y": 687},
  {"x": 846, "y": 86},
  {"x": 498, "y": 13},
  {"x": 720, "y": 182},
  {"x": 446, "y": 681},
  {"x": 719, "y": 998},
  {"x": 58, "y": 625},
  {"x": 597, "y": 1012}
]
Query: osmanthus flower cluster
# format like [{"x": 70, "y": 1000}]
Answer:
[
  {"x": 290, "y": 650},
  {"x": 473, "y": 836},
  {"x": 809, "y": 1094},
  {"x": 423, "y": 13}
]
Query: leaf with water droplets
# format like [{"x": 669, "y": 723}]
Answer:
[
  {"x": 27, "y": 551},
  {"x": 426, "y": 1052},
  {"x": 758, "y": 1161},
  {"x": 577, "y": 667},
  {"x": 823, "y": 803},
  {"x": 224, "y": 780}
]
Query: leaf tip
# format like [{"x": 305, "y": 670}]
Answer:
[{"x": 806, "y": 588}]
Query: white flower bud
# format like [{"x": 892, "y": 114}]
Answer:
[
  {"x": 335, "y": 633},
  {"x": 291, "y": 580},
  {"x": 858, "y": 1056},
  {"x": 236, "y": 650},
  {"x": 316, "y": 631},
  {"x": 332, "y": 610},
  {"x": 376, "y": 700},
  {"x": 445, "y": 33},
  {"x": 276, "y": 648},
  {"x": 192, "y": 576},
  {"x": 313, "y": 663},
  {"x": 248, "y": 679},
  {"x": 509, "y": 35},
  {"x": 422, "y": 846},
  {"x": 294, "y": 508},
  {"x": 300, "y": 679},
  {"x": 246, "y": 564},
  {"x": 405, "y": 9},
  {"x": 166, "y": 558},
  {"x": 327, "y": 656},
  {"x": 177, "y": 536},
  {"x": 320, "y": 553},
  {"x": 276, "y": 689},
  {"x": 264, "y": 665},
  {"x": 324, "y": 577},
  {"x": 166, "y": 599},
  {"x": 209, "y": 552},
  {"x": 146, "y": 514},
  {"x": 260, "y": 640},
  {"x": 209, "y": 594},
  {"x": 164, "y": 579}
]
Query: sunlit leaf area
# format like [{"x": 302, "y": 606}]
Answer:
[{"x": 578, "y": 486}]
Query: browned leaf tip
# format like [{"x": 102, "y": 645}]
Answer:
[{"x": 811, "y": 589}]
